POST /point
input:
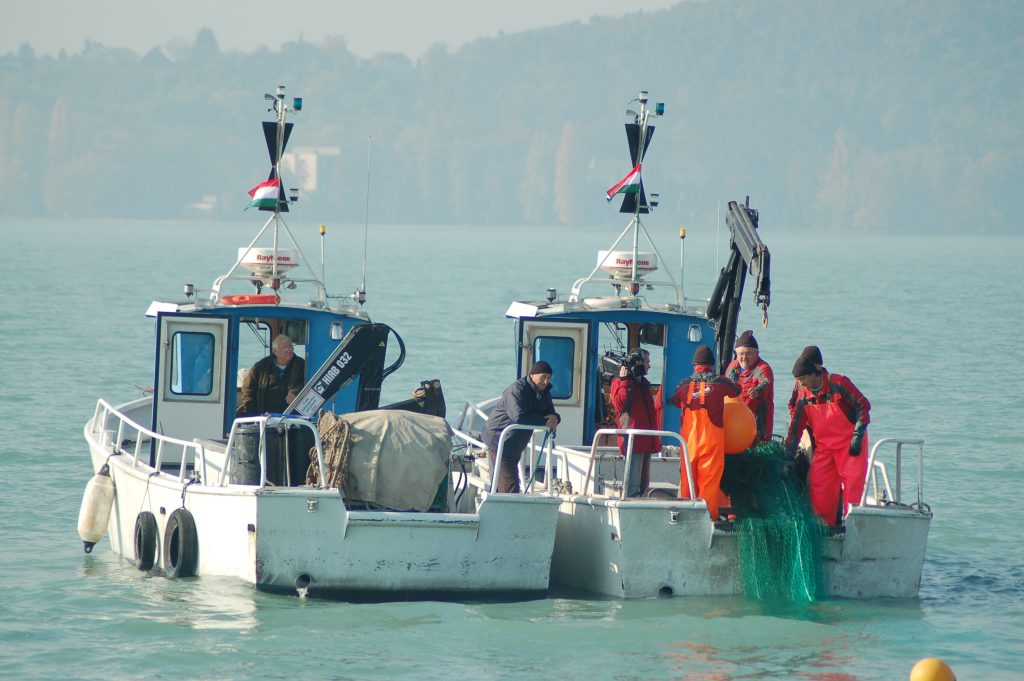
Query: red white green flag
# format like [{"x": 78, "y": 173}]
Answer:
[
  {"x": 265, "y": 194},
  {"x": 630, "y": 184}
]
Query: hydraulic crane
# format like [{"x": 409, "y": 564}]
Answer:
[{"x": 746, "y": 253}]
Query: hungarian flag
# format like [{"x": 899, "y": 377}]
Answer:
[
  {"x": 265, "y": 194},
  {"x": 630, "y": 184}
]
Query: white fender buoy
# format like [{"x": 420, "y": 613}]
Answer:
[{"x": 95, "y": 511}]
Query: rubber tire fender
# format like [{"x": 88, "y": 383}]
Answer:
[
  {"x": 147, "y": 535},
  {"x": 181, "y": 545}
]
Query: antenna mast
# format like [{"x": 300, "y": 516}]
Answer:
[{"x": 360, "y": 295}]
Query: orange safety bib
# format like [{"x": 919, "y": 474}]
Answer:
[{"x": 706, "y": 443}]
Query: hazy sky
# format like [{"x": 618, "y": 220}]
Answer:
[{"x": 368, "y": 26}]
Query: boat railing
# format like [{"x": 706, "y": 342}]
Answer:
[
  {"x": 266, "y": 422},
  {"x": 468, "y": 417},
  {"x": 125, "y": 430},
  {"x": 547, "y": 446},
  {"x": 576, "y": 293},
  {"x": 637, "y": 280},
  {"x": 878, "y": 480},
  {"x": 216, "y": 294},
  {"x": 630, "y": 434}
]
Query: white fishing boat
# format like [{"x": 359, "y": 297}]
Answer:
[
  {"x": 661, "y": 545},
  {"x": 186, "y": 488}
]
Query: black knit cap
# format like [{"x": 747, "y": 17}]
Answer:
[
  {"x": 746, "y": 340},
  {"x": 813, "y": 353},
  {"x": 703, "y": 355},
  {"x": 541, "y": 367},
  {"x": 805, "y": 366}
]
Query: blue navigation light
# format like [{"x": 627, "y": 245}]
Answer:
[
  {"x": 297, "y": 103},
  {"x": 659, "y": 109}
]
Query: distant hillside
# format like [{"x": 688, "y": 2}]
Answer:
[{"x": 879, "y": 115}]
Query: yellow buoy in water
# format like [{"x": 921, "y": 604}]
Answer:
[
  {"x": 932, "y": 669},
  {"x": 740, "y": 427}
]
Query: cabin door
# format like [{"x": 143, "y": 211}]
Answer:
[
  {"x": 190, "y": 393},
  {"x": 563, "y": 345}
]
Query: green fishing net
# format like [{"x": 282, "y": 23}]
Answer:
[{"x": 782, "y": 542}]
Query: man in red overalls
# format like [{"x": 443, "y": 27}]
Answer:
[
  {"x": 757, "y": 382},
  {"x": 702, "y": 399},
  {"x": 813, "y": 353},
  {"x": 837, "y": 415}
]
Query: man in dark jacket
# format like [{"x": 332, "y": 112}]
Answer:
[
  {"x": 634, "y": 404},
  {"x": 274, "y": 381},
  {"x": 525, "y": 402}
]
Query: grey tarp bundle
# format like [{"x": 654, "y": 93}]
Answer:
[{"x": 397, "y": 459}]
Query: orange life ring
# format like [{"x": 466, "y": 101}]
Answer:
[{"x": 250, "y": 299}]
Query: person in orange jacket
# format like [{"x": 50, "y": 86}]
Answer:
[
  {"x": 702, "y": 400},
  {"x": 837, "y": 415},
  {"x": 757, "y": 383}
]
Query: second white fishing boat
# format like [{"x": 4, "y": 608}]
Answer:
[{"x": 661, "y": 545}]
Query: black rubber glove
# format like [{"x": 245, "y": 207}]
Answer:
[{"x": 855, "y": 444}]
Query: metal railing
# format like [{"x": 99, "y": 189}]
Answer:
[
  {"x": 630, "y": 433},
  {"x": 878, "y": 469},
  {"x": 468, "y": 415},
  {"x": 126, "y": 427},
  {"x": 192, "y": 453},
  {"x": 547, "y": 445},
  {"x": 272, "y": 421}
]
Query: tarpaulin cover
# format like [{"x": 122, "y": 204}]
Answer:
[{"x": 398, "y": 458}]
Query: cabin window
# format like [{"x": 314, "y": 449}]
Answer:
[
  {"x": 652, "y": 334},
  {"x": 192, "y": 363},
  {"x": 558, "y": 351}
]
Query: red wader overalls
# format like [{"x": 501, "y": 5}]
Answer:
[{"x": 832, "y": 464}]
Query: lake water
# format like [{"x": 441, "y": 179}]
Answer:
[{"x": 929, "y": 329}]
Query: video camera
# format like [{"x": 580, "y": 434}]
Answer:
[
  {"x": 611, "y": 361},
  {"x": 634, "y": 363}
]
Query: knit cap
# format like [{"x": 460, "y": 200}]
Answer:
[
  {"x": 804, "y": 366},
  {"x": 703, "y": 355},
  {"x": 813, "y": 353},
  {"x": 746, "y": 340}
]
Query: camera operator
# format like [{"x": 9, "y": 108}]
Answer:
[{"x": 634, "y": 404}]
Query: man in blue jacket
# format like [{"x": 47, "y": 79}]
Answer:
[{"x": 526, "y": 402}]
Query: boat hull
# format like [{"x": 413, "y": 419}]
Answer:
[
  {"x": 641, "y": 548},
  {"x": 880, "y": 554},
  {"x": 303, "y": 539}
]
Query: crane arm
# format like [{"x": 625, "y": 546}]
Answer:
[{"x": 747, "y": 253}]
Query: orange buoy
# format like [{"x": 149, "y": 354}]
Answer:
[
  {"x": 740, "y": 427},
  {"x": 250, "y": 299},
  {"x": 932, "y": 669}
]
